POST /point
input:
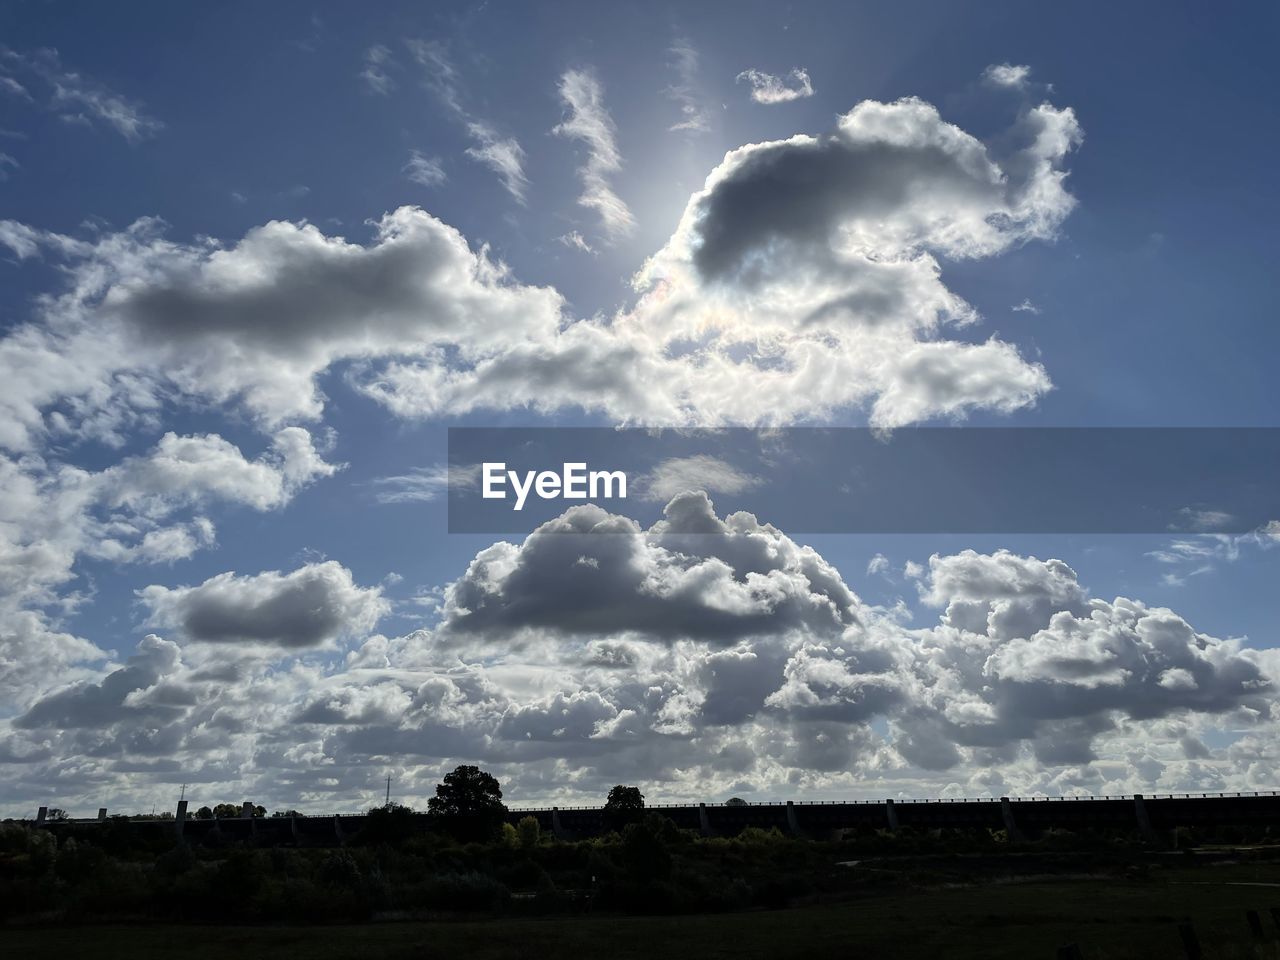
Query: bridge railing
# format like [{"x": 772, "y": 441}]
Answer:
[{"x": 714, "y": 805}]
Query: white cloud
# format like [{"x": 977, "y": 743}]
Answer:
[
  {"x": 696, "y": 655},
  {"x": 503, "y": 155},
  {"x": 1026, "y": 306},
  {"x": 75, "y": 97},
  {"x": 1201, "y": 520},
  {"x": 142, "y": 510},
  {"x": 378, "y": 60},
  {"x": 590, "y": 123},
  {"x": 768, "y": 89},
  {"x": 1007, "y": 75},
  {"x": 424, "y": 484},
  {"x": 679, "y": 475},
  {"x": 12, "y": 87},
  {"x": 253, "y": 323},
  {"x": 575, "y": 241},
  {"x": 195, "y": 468},
  {"x": 425, "y": 170},
  {"x": 847, "y": 310},
  {"x": 695, "y": 115},
  {"x": 1202, "y": 553}
]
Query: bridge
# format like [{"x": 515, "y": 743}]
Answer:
[{"x": 1150, "y": 816}]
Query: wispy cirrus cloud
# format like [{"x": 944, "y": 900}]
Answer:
[
  {"x": 75, "y": 97},
  {"x": 575, "y": 241},
  {"x": 425, "y": 484},
  {"x": 378, "y": 61},
  {"x": 501, "y": 154},
  {"x": 428, "y": 171},
  {"x": 679, "y": 475},
  {"x": 589, "y": 122},
  {"x": 695, "y": 115}
]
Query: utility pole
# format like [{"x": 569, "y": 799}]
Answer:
[
  {"x": 388, "y": 801},
  {"x": 183, "y": 794}
]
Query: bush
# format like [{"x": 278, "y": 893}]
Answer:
[{"x": 529, "y": 832}]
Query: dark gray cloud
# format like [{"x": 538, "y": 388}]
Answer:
[
  {"x": 313, "y": 604},
  {"x": 692, "y": 576}
]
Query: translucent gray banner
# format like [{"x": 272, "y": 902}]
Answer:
[{"x": 849, "y": 480}]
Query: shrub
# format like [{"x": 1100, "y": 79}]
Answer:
[{"x": 530, "y": 832}]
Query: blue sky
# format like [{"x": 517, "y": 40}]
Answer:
[{"x": 1110, "y": 273}]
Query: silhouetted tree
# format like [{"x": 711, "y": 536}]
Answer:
[
  {"x": 232, "y": 810},
  {"x": 624, "y": 805},
  {"x": 470, "y": 801},
  {"x": 388, "y": 823},
  {"x": 625, "y": 798},
  {"x": 735, "y": 802},
  {"x": 204, "y": 813}
]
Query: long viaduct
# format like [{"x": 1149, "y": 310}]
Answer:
[{"x": 1150, "y": 816}]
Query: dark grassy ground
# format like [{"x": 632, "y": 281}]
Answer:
[{"x": 1109, "y": 919}]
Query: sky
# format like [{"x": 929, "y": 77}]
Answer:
[{"x": 256, "y": 261}]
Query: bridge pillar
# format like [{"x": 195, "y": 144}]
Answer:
[
  {"x": 1144, "y": 821},
  {"x": 246, "y": 813},
  {"x": 557, "y": 830},
  {"x": 293, "y": 827},
  {"x": 891, "y": 815},
  {"x": 793, "y": 822},
  {"x": 704, "y": 822},
  {"x": 337, "y": 829},
  {"x": 1010, "y": 825},
  {"x": 102, "y": 814},
  {"x": 40, "y": 815},
  {"x": 180, "y": 817}
]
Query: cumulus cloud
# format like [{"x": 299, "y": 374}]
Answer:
[
  {"x": 767, "y": 89},
  {"x": 700, "y": 654},
  {"x": 196, "y": 468},
  {"x": 589, "y": 122},
  {"x": 1007, "y": 75},
  {"x": 312, "y": 605},
  {"x": 802, "y": 283},
  {"x": 255, "y": 322},
  {"x": 690, "y": 575},
  {"x": 147, "y": 509}
]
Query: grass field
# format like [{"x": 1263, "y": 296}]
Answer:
[{"x": 1108, "y": 919}]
